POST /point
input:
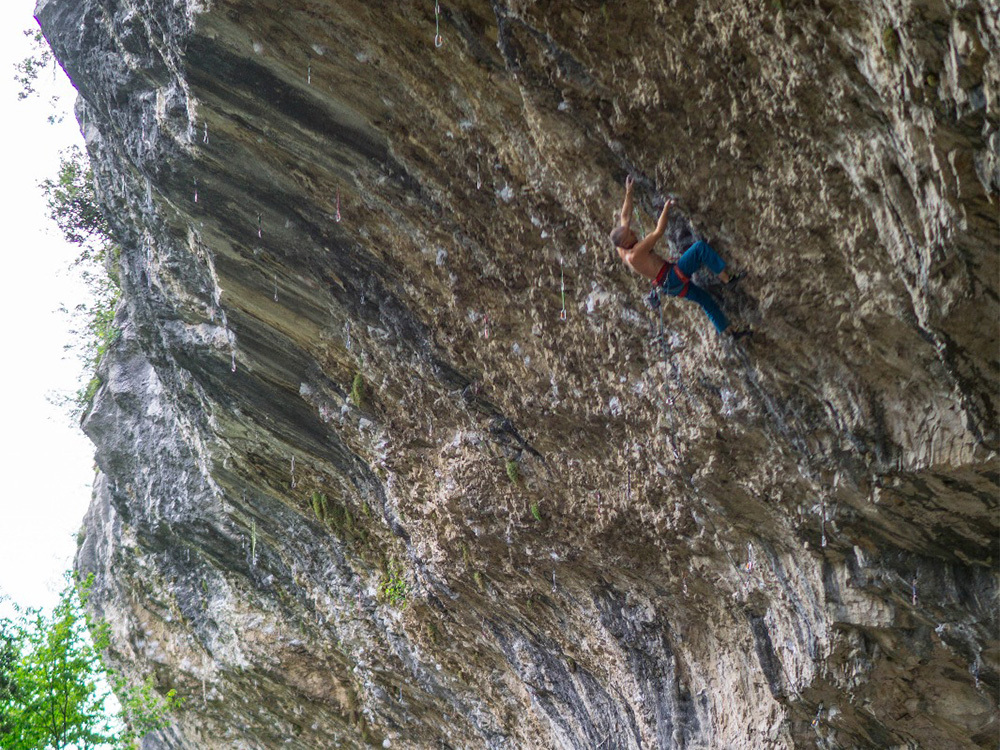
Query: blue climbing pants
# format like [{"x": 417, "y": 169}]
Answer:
[
  {"x": 700, "y": 296},
  {"x": 698, "y": 255}
]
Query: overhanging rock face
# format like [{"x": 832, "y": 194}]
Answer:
[{"x": 359, "y": 482}]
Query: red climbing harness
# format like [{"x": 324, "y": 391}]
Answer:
[{"x": 662, "y": 276}]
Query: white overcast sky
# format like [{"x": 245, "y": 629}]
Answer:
[{"x": 46, "y": 463}]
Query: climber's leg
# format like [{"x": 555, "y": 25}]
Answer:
[
  {"x": 699, "y": 296},
  {"x": 698, "y": 255}
]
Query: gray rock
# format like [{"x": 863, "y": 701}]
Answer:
[{"x": 577, "y": 575}]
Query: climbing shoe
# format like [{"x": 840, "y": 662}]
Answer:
[
  {"x": 735, "y": 279},
  {"x": 741, "y": 333},
  {"x": 653, "y": 300}
]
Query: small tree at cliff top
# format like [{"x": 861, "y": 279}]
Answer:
[
  {"x": 73, "y": 206},
  {"x": 54, "y": 688},
  {"x": 28, "y": 71}
]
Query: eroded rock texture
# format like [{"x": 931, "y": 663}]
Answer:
[{"x": 599, "y": 541}]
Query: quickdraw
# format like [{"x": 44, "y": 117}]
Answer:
[
  {"x": 336, "y": 216},
  {"x": 823, "y": 524},
  {"x": 819, "y": 713},
  {"x": 438, "y": 39},
  {"x": 562, "y": 288}
]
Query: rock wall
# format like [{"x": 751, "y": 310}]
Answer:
[{"x": 361, "y": 484}]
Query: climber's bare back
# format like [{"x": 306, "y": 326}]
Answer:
[{"x": 642, "y": 260}]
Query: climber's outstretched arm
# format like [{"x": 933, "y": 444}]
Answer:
[
  {"x": 626, "y": 216},
  {"x": 645, "y": 245}
]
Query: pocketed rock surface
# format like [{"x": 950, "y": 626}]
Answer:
[{"x": 360, "y": 485}]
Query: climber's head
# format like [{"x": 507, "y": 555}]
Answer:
[{"x": 623, "y": 237}]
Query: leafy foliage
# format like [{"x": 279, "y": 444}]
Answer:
[
  {"x": 51, "y": 696},
  {"x": 27, "y": 71},
  {"x": 143, "y": 709},
  {"x": 54, "y": 688},
  {"x": 73, "y": 206},
  {"x": 392, "y": 588},
  {"x": 72, "y": 203}
]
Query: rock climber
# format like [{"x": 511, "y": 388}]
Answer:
[{"x": 673, "y": 279}]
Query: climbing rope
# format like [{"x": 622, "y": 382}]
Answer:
[
  {"x": 638, "y": 218},
  {"x": 664, "y": 347},
  {"x": 438, "y": 39},
  {"x": 562, "y": 287},
  {"x": 260, "y": 226}
]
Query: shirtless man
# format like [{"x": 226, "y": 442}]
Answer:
[{"x": 673, "y": 279}]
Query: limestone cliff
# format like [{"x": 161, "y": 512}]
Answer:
[{"x": 361, "y": 484}]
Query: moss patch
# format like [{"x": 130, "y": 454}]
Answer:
[
  {"x": 513, "y": 471},
  {"x": 359, "y": 391},
  {"x": 890, "y": 43}
]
